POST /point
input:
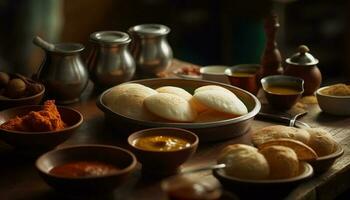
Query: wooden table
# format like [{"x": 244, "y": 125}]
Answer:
[{"x": 19, "y": 179}]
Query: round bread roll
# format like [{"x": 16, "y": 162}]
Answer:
[
  {"x": 171, "y": 107},
  {"x": 243, "y": 161},
  {"x": 130, "y": 103},
  {"x": 197, "y": 105},
  {"x": 278, "y": 131},
  {"x": 221, "y": 101},
  {"x": 321, "y": 141},
  {"x": 175, "y": 90},
  {"x": 211, "y": 87},
  {"x": 283, "y": 161},
  {"x": 212, "y": 116},
  {"x": 108, "y": 99}
]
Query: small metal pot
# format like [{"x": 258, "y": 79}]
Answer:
[{"x": 150, "y": 49}]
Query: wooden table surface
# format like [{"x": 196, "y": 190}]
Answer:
[{"x": 19, "y": 179}]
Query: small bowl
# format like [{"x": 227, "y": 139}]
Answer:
[
  {"x": 244, "y": 76},
  {"x": 116, "y": 156},
  {"x": 164, "y": 162},
  {"x": 322, "y": 164},
  {"x": 335, "y": 105},
  {"x": 31, "y": 100},
  {"x": 280, "y": 100},
  {"x": 214, "y": 73},
  {"x": 256, "y": 188},
  {"x": 39, "y": 140}
]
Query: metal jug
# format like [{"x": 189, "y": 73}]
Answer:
[
  {"x": 150, "y": 49},
  {"x": 110, "y": 61},
  {"x": 62, "y": 71}
]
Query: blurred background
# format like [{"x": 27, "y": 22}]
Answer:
[{"x": 204, "y": 32}]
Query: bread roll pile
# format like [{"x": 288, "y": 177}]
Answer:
[{"x": 173, "y": 104}]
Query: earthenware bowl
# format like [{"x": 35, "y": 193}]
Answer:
[
  {"x": 335, "y": 105},
  {"x": 39, "y": 140},
  {"x": 120, "y": 158},
  {"x": 163, "y": 162},
  {"x": 209, "y": 131},
  {"x": 244, "y": 76}
]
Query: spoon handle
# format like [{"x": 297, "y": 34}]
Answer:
[
  {"x": 43, "y": 44},
  {"x": 210, "y": 167}
]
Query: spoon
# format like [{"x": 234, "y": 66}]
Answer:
[
  {"x": 205, "y": 168},
  {"x": 293, "y": 120}
]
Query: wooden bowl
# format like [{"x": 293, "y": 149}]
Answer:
[
  {"x": 322, "y": 164},
  {"x": 163, "y": 162},
  {"x": 269, "y": 188},
  {"x": 39, "y": 140},
  {"x": 334, "y": 105},
  {"x": 209, "y": 131},
  {"x": 31, "y": 100},
  {"x": 116, "y": 156}
]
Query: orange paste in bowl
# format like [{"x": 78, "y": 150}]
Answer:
[{"x": 161, "y": 143}]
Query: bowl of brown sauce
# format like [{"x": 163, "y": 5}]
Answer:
[
  {"x": 82, "y": 169},
  {"x": 161, "y": 151},
  {"x": 282, "y": 92},
  {"x": 244, "y": 76}
]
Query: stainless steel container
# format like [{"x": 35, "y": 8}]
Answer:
[
  {"x": 62, "y": 71},
  {"x": 150, "y": 48},
  {"x": 110, "y": 61}
]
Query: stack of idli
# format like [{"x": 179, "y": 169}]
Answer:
[{"x": 207, "y": 104}]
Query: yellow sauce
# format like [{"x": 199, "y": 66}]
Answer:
[
  {"x": 161, "y": 143},
  {"x": 243, "y": 74},
  {"x": 284, "y": 90}
]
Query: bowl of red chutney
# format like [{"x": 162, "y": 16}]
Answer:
[{"x": 83, "y": 169}]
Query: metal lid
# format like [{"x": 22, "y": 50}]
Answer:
[
  {"x": 302, "y": 57},
  {"x": 150, "y": 29},
  {"x": 110, "y": 37}
]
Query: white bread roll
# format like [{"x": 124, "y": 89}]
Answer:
[
  {"x": 321, "y": 141},
  {"x": 175, "y": 90},
  {"x": 211, "y": 87}
]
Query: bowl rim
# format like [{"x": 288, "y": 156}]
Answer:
[
  {"x": 180, "y": 130},
  {"x": 81, "y": 119},
  {"x": 27, "y": 98},
  {"x": 257, "y": 67},
  {"x": 194, "y": 125},
  {"x": 264, "y": 81},
  {"x": 319, "y": 93},
  {"x": 336, "y": 154},
  {"x": 119, "y": 172},
  {"x": 203, "y": 68},
  {"x": 308, "y": 172}
]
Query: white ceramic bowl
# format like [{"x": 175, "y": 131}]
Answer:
[
  {"x": 214, "y": 73},
  {"x": 335, "y": 105}
]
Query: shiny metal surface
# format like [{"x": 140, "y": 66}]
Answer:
[
  {"x": 63, "y": 72},
  {"x": 302, "y": 58},
  {"x": 150, "y": 48},
  {"x": 110, "y": 61}
]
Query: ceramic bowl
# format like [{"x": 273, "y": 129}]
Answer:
[
  {"x": 210, "y": 131},
  {"x": 244, "y": 76},
  {"x": 39, "y": 140},
  {"x": 163, "y": 162},
  {"x": 121, "y": 158},
  {"x": 274, "y": 188},
  {"x": 279, "y": 100},
  {"x": 31, "y": 100},
  {"x": 322, "y": 164},
  {"x": 335, "y": 105},
  {"x": 214, "y": 73}
]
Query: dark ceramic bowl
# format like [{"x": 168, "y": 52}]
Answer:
[
  {"x": 322, "y": 164},
  {"x": 121, "y": 158},
  {"x": 244, "y": 76},
  {"x": 273, "y": 188},
  {"x": 39, "y": 140},
  {"x": 279, "y": 100},
  {"x": 31, "y": 100},
  {"x": 164, "y": 162},
  {"x": 209, "y": 131}
]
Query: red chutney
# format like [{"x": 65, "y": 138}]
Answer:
[{"x": 84, "y": 169}]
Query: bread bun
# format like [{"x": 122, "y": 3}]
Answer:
[
  {"x": 221, "y": 101},
  {"x": 243, "y": 161},
  {"x": 212, "y": 116},
  {"x": 130, "y": 103},
  {"x": 211, "y": 87},
  {"x": 321, "y": 141},
  {"x": 175, "y": 90},
  {"x": 278, "y": 131},
  {"x": 283, "y": 161},
  {"x": 171, "y": 107}
]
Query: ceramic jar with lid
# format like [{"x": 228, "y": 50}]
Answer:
[
  {"x": 304, "y": 65},
  {"x": 110, "y": 62}
]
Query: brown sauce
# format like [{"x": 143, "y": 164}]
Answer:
[
  {"x": 284, "y": 90},
  {"x": 84, "y": 169},
  {"x": 243, "y": 73},
  {"x": 161, "y": 143}
]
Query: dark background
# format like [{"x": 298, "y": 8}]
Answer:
[{"x": 203, "y": 32}]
